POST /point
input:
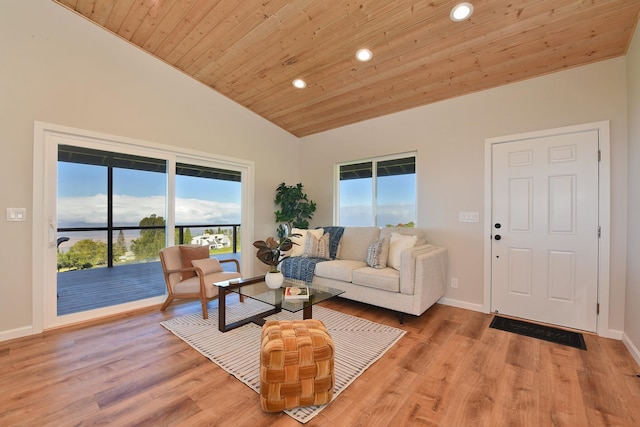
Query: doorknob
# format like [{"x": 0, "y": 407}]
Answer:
[
  {"x": 497, "y": 225},
  {"x": 497, "y": 237}
]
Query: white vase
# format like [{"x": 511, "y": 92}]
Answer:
[{"x": 274, "y": 280}]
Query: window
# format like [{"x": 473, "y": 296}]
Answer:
[
  {"x": 103, "y": 199},
  {"x": 208, "y": 207},
  {"x": 380, "y": 192}
]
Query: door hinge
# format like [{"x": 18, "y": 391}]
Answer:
[
  {"x": 599, "y": 231},
  {"x": 599, "y": 155},
  {"x": 597, "y": 308}
]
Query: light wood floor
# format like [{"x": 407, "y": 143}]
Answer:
[{"x": 450, "y": 369}]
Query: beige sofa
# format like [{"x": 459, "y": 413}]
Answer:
[{"x": 415, "y": 284}]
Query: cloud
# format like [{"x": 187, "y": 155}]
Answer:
[
  {"x": 129, "y": 210},
  {"x": 387, "y": 214}
]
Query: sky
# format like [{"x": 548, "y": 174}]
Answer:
[
  {"x": 82, "y": 198},
  {"x": 396, "y": 197}
]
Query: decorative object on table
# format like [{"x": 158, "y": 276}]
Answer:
[
  {"x": 295, "y": 208},
  {"x": 274, "y": 279},
  {"x": 270, "y": 252},
  {"x": 296, "y": 293}
]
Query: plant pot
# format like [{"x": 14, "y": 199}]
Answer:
[{"x": 274, "y": 280}]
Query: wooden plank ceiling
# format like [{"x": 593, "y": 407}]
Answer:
[{"x": 251, "y": 50}]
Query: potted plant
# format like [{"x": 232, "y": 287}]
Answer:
[
  {"x": 270, "y": 252},
  {"x": 295, "y": 208}
]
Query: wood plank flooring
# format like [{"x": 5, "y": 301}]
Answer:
[{"x": 450, "y": 369}]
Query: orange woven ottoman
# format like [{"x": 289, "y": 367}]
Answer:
[{"x": 296, "y": 364}]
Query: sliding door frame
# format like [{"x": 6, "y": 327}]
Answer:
[{"x": 47, "y": 137}]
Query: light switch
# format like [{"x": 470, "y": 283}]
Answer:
[
  {"x": 16, "y": 214},
  {"x": 469, "y": 217}
]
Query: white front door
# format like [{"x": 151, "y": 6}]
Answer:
[{"x": 544, "y": 224}]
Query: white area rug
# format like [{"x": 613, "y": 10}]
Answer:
[{"x": 358, "y": 344}]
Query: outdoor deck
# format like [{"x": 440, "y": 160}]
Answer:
[{"x": 83, "y": 290}]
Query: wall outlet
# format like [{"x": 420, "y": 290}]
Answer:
[{"x": 454, "y": 282}]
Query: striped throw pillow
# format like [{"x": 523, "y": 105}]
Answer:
[
  {"x": 377, "y": 254},
  {"x": 317, "y": 248}
]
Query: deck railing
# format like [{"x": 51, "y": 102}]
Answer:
[{"x": 111, "y": 230}]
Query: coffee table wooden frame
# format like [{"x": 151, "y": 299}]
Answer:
[{"x": 258, "y": 318}]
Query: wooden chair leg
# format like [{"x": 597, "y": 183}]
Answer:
[
  {"x": 166, "y": 303},
  {"x": 205, "y": 312}
]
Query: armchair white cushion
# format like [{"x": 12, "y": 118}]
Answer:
[{"x": 189, "y": 273}]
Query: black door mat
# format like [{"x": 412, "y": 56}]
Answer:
[{"x": 547, "y": 333}]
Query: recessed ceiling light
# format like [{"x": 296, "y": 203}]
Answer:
[
  {"x": 299, "y": 83},
  {"x": 364, "y": 55},
  {"x": 461, "y": 11}
]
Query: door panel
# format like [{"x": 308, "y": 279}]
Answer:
[{"x": 545, "y": 229}]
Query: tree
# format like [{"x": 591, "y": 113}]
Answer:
[
  {"x": 150, "y": 242},
  {"x": 120, "y": 248},
  {"x": 187, "y": 236},
  {"x": 84, "y": 254}
]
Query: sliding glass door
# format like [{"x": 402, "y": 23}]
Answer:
[
  {"x": 111, "y": 209},
  {"x": 104, "y": 206},
  {"x": 208, "y": 208}
]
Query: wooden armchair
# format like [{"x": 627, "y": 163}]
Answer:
[{"x": 189, "y": 273}]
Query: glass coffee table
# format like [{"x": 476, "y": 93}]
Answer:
[{"x": 257, "y": 289}]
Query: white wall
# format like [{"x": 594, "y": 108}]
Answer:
[
  {"x": 449, "y": 137},
  {"x": 59, "y": 68},
  {"x": 632, "y": 300}
]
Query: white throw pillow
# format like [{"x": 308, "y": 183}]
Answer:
[
  {"x": 397, "y": 244},
  {"x": 208, "y": 265},
  {"x": 298, "y": 250}
]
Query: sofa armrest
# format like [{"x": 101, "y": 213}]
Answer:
[
  {"x": 408, "y": 259},
  {"x": 431, "y": 276}
]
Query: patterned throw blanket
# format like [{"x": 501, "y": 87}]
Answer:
[{"x": 303, "y": 268}]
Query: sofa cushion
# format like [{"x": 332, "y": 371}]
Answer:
[
  {"x": 301, "y": 240},
  {"x": 355, "y": 242},
  {"x": 339, "y": 269},
  {"x": 192, "y": 285},
  {"x": 420, "y": 233},
  {"x": 386, "y": 279},
  {"x": 335, "y": 235},
  {"x": 317, "y": 248},
  {"x": 378, "y": 253},
  {"x": 397, "y": 244}
]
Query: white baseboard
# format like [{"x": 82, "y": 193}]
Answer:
[
  {"x": 614, "y": 334},
  {"x": 16, "y": 333},
  {"x": 461, "y": 304},
  {"x": 631, "y": 347}
]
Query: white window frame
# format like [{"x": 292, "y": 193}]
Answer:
[{"x": 374, "y": 201}]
